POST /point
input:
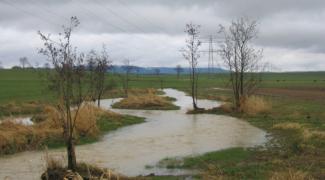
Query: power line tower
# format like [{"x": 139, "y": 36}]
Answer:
[
  {"x": 211, "y": 41},
  {"x": 209, "y": 49},
  {"x": 210, "y": 60}
]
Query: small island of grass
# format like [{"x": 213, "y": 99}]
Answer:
[{"x": 146, "y": 102}]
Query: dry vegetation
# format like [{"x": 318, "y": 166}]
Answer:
[
  {"x": 305, "y": 132},
  {"x": 117, "y": 93},
  {"x": 291, "y": 174},
  {"x": 253, "y": 105},
  {"x": 16, "y": 137},
  {"x": 149, "y": 101},
  {"x": 14, "y": 108},
  {"x": 55, "y": 169},
  {"x": 250, "y": 106}
]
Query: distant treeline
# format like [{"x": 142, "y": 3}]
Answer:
[{"x": 163, "y": 70}]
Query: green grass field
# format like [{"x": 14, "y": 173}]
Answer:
[
  {"x": 295, "y": 97},
  {"x": 30, "y": 85}
]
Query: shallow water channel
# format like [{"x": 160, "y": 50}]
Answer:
[{"x": 164, "y": 134}]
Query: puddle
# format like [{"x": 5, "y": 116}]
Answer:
[{"x": 165, "y": 134}]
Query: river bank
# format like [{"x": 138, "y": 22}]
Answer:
[{"x": 129, "y": 150}]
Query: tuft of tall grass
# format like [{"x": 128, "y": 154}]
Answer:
[{"x": 253, "y": 105}]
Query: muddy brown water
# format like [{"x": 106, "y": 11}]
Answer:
[{"x": 130, "y": 149}]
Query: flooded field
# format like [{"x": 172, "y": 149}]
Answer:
[{"x": 164, "y": 134}]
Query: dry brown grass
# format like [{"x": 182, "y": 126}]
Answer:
[
  {"x": 227, "y": 107},
  {"x": 55, "y": 169},
  {"x": 254, "y": 105},
  {"x": 304, "y": 131},
  {"x": 13, "y": 108},
  {"x": 290, "y": 174},
  {"x": 16, "y": 137},
  {"x": 145, "y": 101},
  {"x": 137, "y": 91},
  {"x": 87, "y": 119},
  {"x": 288, "y": 126}
]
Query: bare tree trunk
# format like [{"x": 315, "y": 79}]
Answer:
[
  {"x": 192, "y": 55},
  {"x": 126, "y": 85},
  {"x": 72, "y": 161},
  {"x": 98, "y": 101}
]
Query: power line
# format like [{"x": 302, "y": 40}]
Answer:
[
  {"x": 48, "y": 11},
  {"x": 99, "y": 17},
  {"x": 29, "y": 13},
  {"x": 117, "y": 15},
  {"x": 144, "y": 18}
]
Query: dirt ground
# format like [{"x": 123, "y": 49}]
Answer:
[{"x": 301, "y": 93}]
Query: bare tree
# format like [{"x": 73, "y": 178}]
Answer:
[
  {"x": 127, "y": 69},
  {"x": 66, "y": 80},
  {"x": 1, "y": 67},
  {"x": 241, "y": 57},
  {"x": 98, "y": 66},
  {"x": 178, "y": 70},
  {"x": 24, "y": 62},
  {"x": 191, "y": 54}
]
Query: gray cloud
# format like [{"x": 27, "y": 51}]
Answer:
[{"x": 151, "y": 32}]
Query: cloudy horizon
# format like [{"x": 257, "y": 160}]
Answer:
[{"x": 151, "y": 33}]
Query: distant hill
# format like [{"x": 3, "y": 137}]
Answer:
[{"x": 162, "y": 70}]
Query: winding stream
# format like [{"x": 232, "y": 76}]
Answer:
[{"x": 164, "y": 134}]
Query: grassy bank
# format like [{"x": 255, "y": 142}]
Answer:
[
  {"x": 296, "y": 149},
  {"x": 92, "y": 124}
]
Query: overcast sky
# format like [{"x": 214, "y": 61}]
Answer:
[{"x": 151, "y": 32}]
